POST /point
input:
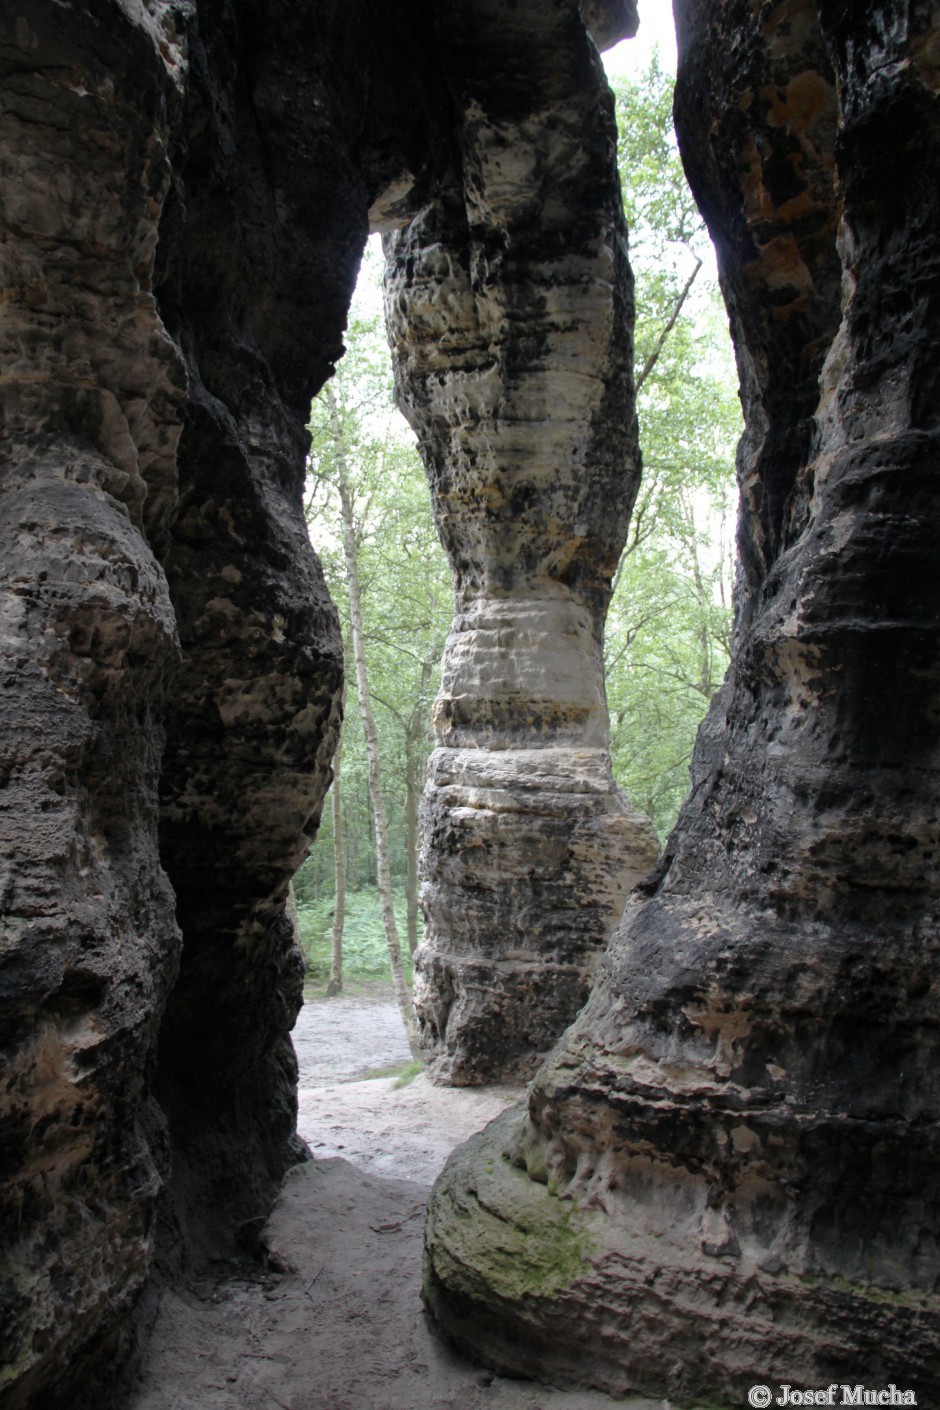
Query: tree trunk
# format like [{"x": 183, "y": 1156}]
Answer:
[
  {"x": 382, "y": 868},
  {"x": 335, "y": 986},
  {"x": 290, "y": 906},
  {"x": 705, "y": 684},
  {"x": 413, "y": 733},
  {"x": 411, "y": 842}
]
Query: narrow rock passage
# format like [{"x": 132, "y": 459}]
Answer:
[{"x": 336, "y": 1323}]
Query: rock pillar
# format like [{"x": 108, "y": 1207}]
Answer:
[
  {"x": 727, "y": 1170},
  {"x": 254, "y": 708},
  {"x": 90, "y": 409},
  {"x": 509, "y": 302}
]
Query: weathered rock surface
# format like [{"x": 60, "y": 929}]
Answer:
[
  {"x": 253, "y": 713},
  {"x": 159, "y": 585},
  {"x": 509, "y": 302},
  {"x": 89, "y": 420},
  {"x": 187, "y": 187},
  {"x": 729, "y": 1163},
  {"x": 727, "y": 1169}
]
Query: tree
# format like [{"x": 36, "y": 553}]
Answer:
[
  {"x": 335, "y": 984},
  {"x": 370, "y": 518},
  {"x": 667, "y": 637},
  {"x": 383, "y": 867}
]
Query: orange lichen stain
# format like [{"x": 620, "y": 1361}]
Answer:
[
  {"x": 806, "y": 102},
  {"x": 780, "y": 265},
  {"x": 51, "y": 1071},
  {"x": 759, "y": 205},
  {"x": 793, "y": 22}
]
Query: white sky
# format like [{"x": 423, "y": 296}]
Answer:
[{"x": 631, "y": 56}]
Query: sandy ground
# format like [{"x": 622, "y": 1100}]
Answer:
[
  {"x": 406, "y": 1133},
  {"x": 337, "y": 1323}
]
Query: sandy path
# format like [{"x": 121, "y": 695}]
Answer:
[
  {"x": 406, "y": 1133},
  {"x": 337, "y": 1323},
  {"x": 340, "y": 1040}
]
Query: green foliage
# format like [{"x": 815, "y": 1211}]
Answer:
[
  {"x": 667, "y": 638},
  {"x": 365, "y": 956},
  {"x": 404, "y": 1074},
  {"x": 407, "y": 598},
  {"x": 407, "y": 1075}
]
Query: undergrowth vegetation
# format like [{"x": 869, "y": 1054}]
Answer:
[{"x": 365, "y": 956}]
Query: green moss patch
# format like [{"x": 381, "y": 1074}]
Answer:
[{"x": 493, "y": 1231}]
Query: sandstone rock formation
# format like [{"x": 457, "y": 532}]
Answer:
[
  {"x": 187, "y": 185},
  {"x": 744, "y": 1118},
  {"x": 509, "y": 302},
  {"x": 158, "y": 587},
  {"x": 91, "y": 407},
  {"x": 726, "y": 1172}
]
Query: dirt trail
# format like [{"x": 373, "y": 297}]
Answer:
[
  {"x": 337, "y": 1324},
  {"x": 405, "y": 1133}
]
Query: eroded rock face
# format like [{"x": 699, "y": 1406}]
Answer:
[
  {"x": 509, "y": 302},
  {"x": 745, "y": 1114},
  {"x": 253, "y": 714},
  {"x": 298, "y": 122},
  {"x": 89, "y": 422},
  {"x": 737, "y": 1138},
  {"x": 187, "y": 187},
  {"x": 159, "y": 586}
]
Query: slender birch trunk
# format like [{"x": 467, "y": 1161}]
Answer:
[
  {"x": 411, "y": 843},
  {"x": 413, "y": 733},
  {"x": 383, "y": 868},
  {"x": 335, "y": 986}
]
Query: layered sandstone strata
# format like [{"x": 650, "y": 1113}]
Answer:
[
  {"x": 157, "y": 580},
  {"x": 89, "y": 422},
  {"x": 727, "y": 1170},
  {"x": 187, "y": 187},
  {"x": 746, "y": 1112},
  {"x": 509, "y": 303}
]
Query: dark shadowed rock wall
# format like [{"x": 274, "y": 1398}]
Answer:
[
  {"x": 254, "y": 284},
  {"x": 510, "y": 308},
  {"x": 186, "y": 192},
  {"x": 90, "y": 418},
  {"x": 302, "y": 126},
  {"x": 727, "y": 1170}
]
